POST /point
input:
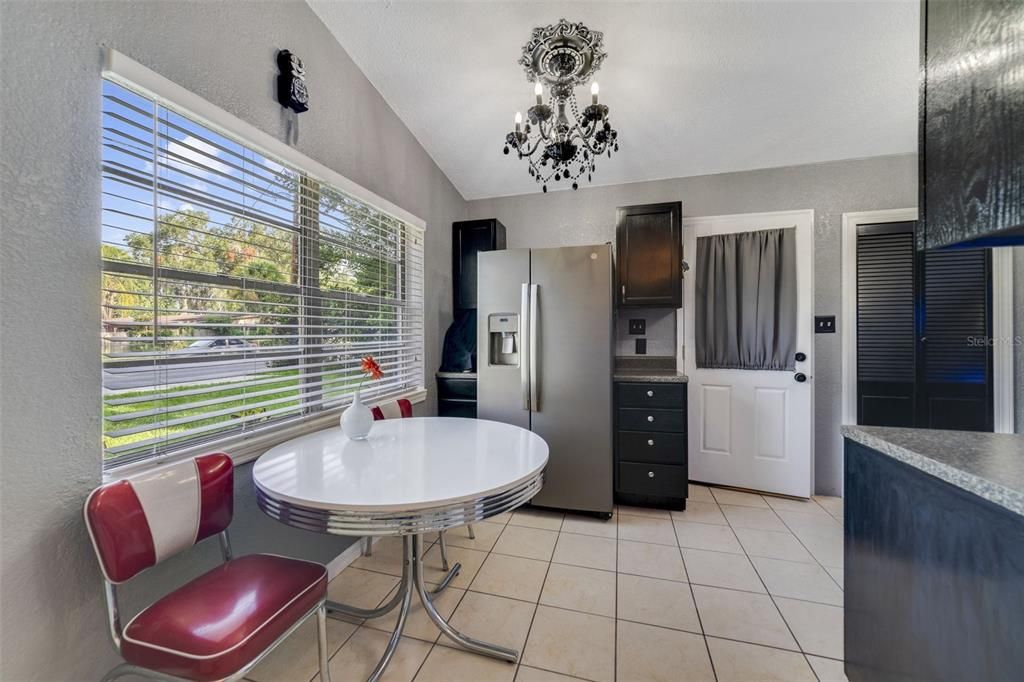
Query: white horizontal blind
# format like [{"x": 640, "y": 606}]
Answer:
[{"x": 238, "y": 292}]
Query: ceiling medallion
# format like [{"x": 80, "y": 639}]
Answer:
[{"x": 560, "y": 142}]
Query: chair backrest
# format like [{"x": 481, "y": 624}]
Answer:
[
  {"x": 392, "y": 410},
  {"x": 138, "y": 522}
]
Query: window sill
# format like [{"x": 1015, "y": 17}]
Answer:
[{"x": 244, "y": 448}]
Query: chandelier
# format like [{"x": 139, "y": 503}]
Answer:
[{"x": 560, "y": 142}]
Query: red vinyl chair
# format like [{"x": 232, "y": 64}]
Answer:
[
  {"x": 402, "y": 409},
  {"x": 220, "y": 625}
]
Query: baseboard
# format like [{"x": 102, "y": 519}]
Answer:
[{"x": 341, "y": 562}]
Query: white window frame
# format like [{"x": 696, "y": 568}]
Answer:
[{"x": 243, "y": 447}]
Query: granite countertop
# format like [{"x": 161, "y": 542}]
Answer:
[
  {"x": 989, "y": 465},
  {"x": 653, "y": 375}
]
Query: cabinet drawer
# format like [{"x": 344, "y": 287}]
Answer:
[
  {"x": 663, "y": 448},
  {"x": 651, "y": 395},
  {"x": 659, "y": 480},
  {"x": 464, "y": 389},
  {"x": 632, "y": 419}
]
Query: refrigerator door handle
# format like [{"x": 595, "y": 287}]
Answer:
[
  {"x": 524, "y": 350},
  {"x": 534, "y": 321}
]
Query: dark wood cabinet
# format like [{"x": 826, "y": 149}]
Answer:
[
  {"x": 971, "y": 147},
  {"x": 470, "y": 237},
  {"x": 649, "y": 255},
  {"x": 934, "y": 572},
  {"x": 650, "y": 444}
]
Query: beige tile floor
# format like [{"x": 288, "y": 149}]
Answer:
[{"x": 739, "y": 588}]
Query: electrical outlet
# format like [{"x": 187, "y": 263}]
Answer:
[
  {"x": 825, "y": 324},
  {"x": 641, "y": 346},
  {"x": 638, "y": 327}
]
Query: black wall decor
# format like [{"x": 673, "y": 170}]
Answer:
[{"x": 291, "y": 83}]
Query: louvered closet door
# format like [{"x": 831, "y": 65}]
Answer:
[
  {"x": 886, "y": 337},
  {"x": 923, "y": 325},
  {"x": 956, "y": 375}
]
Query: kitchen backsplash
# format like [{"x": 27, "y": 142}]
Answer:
[{"x": 660, "y": 332}]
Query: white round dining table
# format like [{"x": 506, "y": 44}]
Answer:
[{"x": 409, "y": 477}]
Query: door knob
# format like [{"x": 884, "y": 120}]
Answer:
[
  {"x": 800, "y": 357},
  {"x": 650, "y": 442},
  {"x": 650, "y": 394},
  {"x": 650, "y": 474},
  {"x": 650, "y": 418},
  {"x": 800, "y": 377}
]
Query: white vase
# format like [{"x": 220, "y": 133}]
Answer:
[{"x": 357, "y": 420}]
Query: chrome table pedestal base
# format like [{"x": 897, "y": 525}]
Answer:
[{"x": 412, "y": 580}]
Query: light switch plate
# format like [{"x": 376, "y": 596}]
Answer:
[
  {"x": 824, "y": 324},
  {"x": 641, "y": 346},
  {"x": 638, "y": 327}
]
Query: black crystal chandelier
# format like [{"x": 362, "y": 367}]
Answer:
[{"x": 561, "y": 143}]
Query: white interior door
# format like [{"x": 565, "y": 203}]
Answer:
[{"x": 753, "y": 428}]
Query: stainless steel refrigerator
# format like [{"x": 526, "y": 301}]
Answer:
[{"x": 544, "y": 362}]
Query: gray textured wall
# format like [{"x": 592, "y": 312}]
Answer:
[
  {"x": 52, "y": 622},
  {"x": 831, "y": 189}
]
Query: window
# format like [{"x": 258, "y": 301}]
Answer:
[{"x": 239, "y": 292}]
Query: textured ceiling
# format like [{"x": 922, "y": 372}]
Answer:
[{"x": 694, "y": 87}]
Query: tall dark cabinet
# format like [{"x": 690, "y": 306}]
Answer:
[
  {"x": 971, "y": 150},
  {"x": 456, "y": 382},
  {"x": 649, "y": 255},
  {"x": 470, "y": 237}
]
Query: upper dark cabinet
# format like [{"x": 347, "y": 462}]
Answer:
[
  {"x": 470, "y": 237},
  {"x": 649, "y": 255},
  {"x": 971, "y": 150}
]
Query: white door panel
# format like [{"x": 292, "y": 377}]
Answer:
[{"x": 751, "y": 428}]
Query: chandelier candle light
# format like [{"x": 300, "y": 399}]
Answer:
[{"x": 559, "y": 142}]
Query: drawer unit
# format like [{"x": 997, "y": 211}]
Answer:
[
  {"x": 661, "y": 420},
  {"x": 651, "y": 444},
  {"x": 658, "y": 448},
  {"x": 652, "y": 480},
  {"x": 651, "y": 395}
]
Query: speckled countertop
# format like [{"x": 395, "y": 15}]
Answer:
[
  {"x": 658, "y": 376},
  {"x": 990, "y": 465}
]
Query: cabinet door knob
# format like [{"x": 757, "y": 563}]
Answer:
[
  {"x": 650, "y": 417},
  {"x": 650, "y": 394},
  {"x": 650, "y": 474},
  {"x": 650, "y": 441}
]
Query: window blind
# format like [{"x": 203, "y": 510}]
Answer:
[{"x": 239, "y": 291}]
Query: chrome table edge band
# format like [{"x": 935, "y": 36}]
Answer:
[{"x": 362, "y": 523}]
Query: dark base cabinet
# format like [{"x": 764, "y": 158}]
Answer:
[
  {"x": 934, "y": 577},
  {"x": 456, "y": 396},
  {"x": 650, "y": 444}
]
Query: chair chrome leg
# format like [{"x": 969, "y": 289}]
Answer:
[
  {"x": 367, "y": 546},
  {"x": 408, "y": 571},
  {"x": 356, "y": 612},
  {"x": 476, "y": 646},
  {"x": 321, "y": 643},
  {"x": 129, "y": 669},
  {"x": 472, "y": 535},
  {"x": 444, "y": 550}
]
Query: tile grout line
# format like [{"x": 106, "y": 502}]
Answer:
[
  {"x": 615, "y": 626},
  {"x": 536, "y": 607},
  {"x": 772, "y": 597},
  {"x": 693, "y": 598}
]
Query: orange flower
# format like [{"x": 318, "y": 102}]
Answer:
[{"x": 370, "y": 366}]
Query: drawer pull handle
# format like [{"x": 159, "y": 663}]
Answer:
[
  {"x": 650, "y": 394},
  {"x": 650, "y": 441},
  {"x": 650, "y": 417},
  {"x": 650, "y": 474}
]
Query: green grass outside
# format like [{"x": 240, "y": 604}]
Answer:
[{"x": 289, "y": 388}]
